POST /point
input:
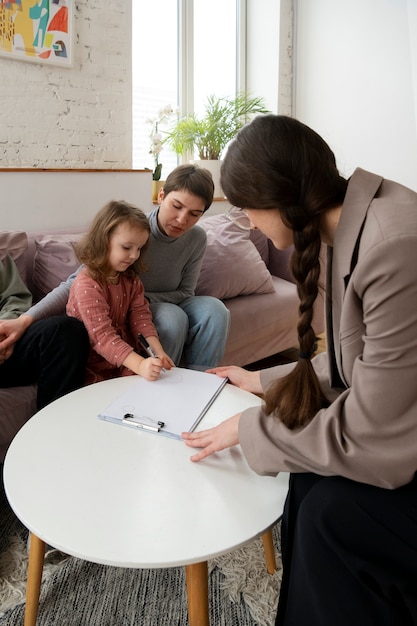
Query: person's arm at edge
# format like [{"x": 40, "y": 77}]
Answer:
[
  {"x": 54, "y": 303},
  {"x": 15, "y": 299}
]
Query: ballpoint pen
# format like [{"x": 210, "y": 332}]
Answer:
[{"x": 145, "y": 344}]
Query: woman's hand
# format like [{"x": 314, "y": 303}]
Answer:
[
  {"x": 249, "y": 381},
  {"x": 225, "y": 435}
]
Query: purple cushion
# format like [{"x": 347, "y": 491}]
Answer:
[
  {"x": 55, "y": 260},
  {"x": 261, "y": 242},
  {"x": 232, "y": 265}
]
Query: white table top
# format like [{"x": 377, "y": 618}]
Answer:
[{"x": 120, "y": 496}]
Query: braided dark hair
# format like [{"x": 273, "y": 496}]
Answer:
[{"x": 276, "y": 162}]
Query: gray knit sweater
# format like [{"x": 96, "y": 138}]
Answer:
[{"x": 174, "y": 263}]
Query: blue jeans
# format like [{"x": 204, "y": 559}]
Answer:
[{"x": 193, "y": 332}]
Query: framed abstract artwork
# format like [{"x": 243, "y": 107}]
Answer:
[{"x": 40, "y": 31}]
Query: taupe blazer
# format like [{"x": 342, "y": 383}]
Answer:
[{"x": 369, "y": 431}]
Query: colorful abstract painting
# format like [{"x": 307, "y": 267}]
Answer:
[{"x": 37, "y": 30}]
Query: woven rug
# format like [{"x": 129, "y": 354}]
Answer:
[{"x": 79, "y": 593}]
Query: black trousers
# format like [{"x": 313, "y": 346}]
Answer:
[
  {"x": 52, "y": 353},
  {"x": 349, "y": 554}
]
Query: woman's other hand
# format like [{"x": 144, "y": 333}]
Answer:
[
  {"x": 223, "y": 436},
  {"x": 249, "y": 381}
]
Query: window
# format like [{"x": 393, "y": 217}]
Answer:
[
  {"x": 182, "y": 52},
  {"x": 154, "y": 73},
  {"x": 215, "y": 64}
]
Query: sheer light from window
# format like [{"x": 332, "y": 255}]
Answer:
[{"x": 155, "y": 65}]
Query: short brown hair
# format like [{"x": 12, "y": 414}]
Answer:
[{"x": 197, "y": 180}]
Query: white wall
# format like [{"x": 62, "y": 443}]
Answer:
[
  {"x": 356, "y": 82},
  {"x": 54, "y": 117},
  {"x": 262, "y": 40},
  {"x": 38, "y": 200},
  {"x": 269, "y": 41}
]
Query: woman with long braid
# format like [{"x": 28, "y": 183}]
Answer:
[{"x": 344, "y": 423}]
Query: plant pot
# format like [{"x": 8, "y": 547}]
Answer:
[
  {"x": 213, "y": 167},
  {"x": 156, "y": 186}
]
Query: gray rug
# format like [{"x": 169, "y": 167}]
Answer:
[{"x": 79, "y": 593}]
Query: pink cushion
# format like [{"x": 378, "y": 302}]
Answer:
[
  {"x": 232, "y": 265},
  {"x": 55, "y": 260},
  {"x": 15, "y": 243}
]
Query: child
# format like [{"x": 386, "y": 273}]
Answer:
[
  {"x": 108, "y": 296},
  {"x": 193, "y": 329}
]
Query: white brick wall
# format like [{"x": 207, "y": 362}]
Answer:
[{"x": 77, "y": 117}]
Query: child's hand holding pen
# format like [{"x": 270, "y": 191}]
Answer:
[
  {"x": 156, "y": 351},
  {"x": 150, "y": 368}
]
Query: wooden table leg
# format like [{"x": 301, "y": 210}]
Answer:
[
  {"x": 269, "y": 549},
  {"x": 197, "y": 593},
  {"x": 35, "y": 568}
]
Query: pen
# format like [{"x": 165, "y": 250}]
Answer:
[{"x": 144, "y": 342}]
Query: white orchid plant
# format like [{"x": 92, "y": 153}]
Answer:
[{"x": 156, "y": 138}]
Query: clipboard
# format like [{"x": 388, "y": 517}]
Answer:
[{"x": 178, "y": 400}]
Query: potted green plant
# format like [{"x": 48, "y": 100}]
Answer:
[{"x": 209, "y": 135}]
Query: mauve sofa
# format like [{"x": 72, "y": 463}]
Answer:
[{"x": 240, "y": 267}]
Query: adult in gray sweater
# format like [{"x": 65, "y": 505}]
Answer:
[{"x": 192, "y": 329}]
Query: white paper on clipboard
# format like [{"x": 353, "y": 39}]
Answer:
[{"x": 179, "y": 398}]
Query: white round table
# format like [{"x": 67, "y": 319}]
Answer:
[{"x": 129, "y": 498}]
